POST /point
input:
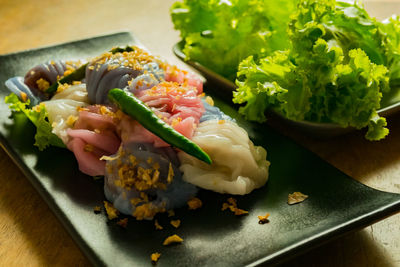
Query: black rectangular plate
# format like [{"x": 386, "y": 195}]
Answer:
[{"x": 337, "y": 204}]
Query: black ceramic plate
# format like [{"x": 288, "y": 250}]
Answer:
[{"x": 337, "y": 204}]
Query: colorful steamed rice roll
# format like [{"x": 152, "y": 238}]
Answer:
[{"x": 143, "y": 174}]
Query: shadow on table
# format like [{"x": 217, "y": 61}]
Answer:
[{"x": 29, "y": 230}]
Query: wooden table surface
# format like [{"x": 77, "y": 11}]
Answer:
[{"x": 30, "y": 235}]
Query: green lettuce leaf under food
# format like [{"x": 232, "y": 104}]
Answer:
[
  {"x": 221, "y": 33},
  {"x": 339, "y": 64},
  {"x": 38, "y": 116}
]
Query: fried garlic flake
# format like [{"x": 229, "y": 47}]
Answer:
[
  {"x": 263, "y": 219},
  {"x": 172, "y": 240},
  {"x": 112, "y": 212},
  {"x": 154, "y": 257},
  {"x": 296, "y": 197}
]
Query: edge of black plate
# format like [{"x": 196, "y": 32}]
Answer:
[
  {"x": 328, "y": 236},
  {"x": 98, "y": 36}
]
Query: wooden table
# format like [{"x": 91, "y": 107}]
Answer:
[{"x": 30, "y": 235}]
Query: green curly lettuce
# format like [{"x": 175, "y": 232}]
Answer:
[
  {"x": 390, "y": 29},
  {"x": 219, "y": 34},
  {"x": 334, "y": 70},
  {"x": 39, "y": 117}
]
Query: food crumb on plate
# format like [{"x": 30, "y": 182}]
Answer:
[
  {"x": 171, "y": 213},
  {"x": 296, "y": 197},
  {"x": 263, "y": 219},
  {"x": 194, "y": 203},
  {"x": 232, "y": 205},
  {"x": 175, "y": 223},
  {"x": 154, "y": 257},
  {"x": 97, "y": 209},
  {"x": 123, "y": 222},
  {"x": 112, "y": 212},
  {"x": 157, "y": 225},
  {"x": 209, "y": 100},
  {"x": 173, "y": 239}
]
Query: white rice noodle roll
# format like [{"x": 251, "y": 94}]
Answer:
[
  {"x": 74, "y": 92},
  {"x": 62, "y": 106},
  {"x": 238, "y": 166}
]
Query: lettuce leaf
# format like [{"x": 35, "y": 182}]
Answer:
[
  {"x": 331, "y": 73},
  {"x": 38, "y": 116},
  {"x": 221, "y": 33}
]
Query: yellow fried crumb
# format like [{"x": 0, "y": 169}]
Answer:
[
  {"x": 175, "y": 223},
  {"x": 172, "y": 240},
  {"x": 176, "y": 121},
  {"x": 146, "y": 211},
  {"x": 76, "y": 82},
  {"x": 123, "y": 222},
  {"x": 157, "y": 225},
  {"x": 232, "y": 206},
  {"x": 112, "y": 212},
  {"x": 71, "y": 120},
  {"x": 67, "y": 72},
  {"x": 24, "y": 97},
  {"x": 225, "y": 206},
  {"x": 108, "y": 158},
  {"x": 296, "y": 197},
  {"x": 194, "y": 203},
  {"x": 88, "y": 148},
  {"x": 170, "y": 176},
  {"x": 209, "y": 100},
  {"x": 154, "y": 257},
  {"x": 106, "y": 111},
  {"x": 62, "y": 87},
  {"x": 232, "y": 201},
  {"x": 133, "y": 59},
  {"x": 97, "y": 209},
  {"x": 81, "y": 109},
  {"x": 42, "y": 84},
  {"x": 263, "y": 219},
  {"x": 239, "y": 212},
  {"x": 171, "y": 213},
  {"x": 38, "y": 108},
  {"x": 135, "y": 201},
  {"x": 221, "y": 121}
]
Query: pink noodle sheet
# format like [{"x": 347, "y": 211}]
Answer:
[
  {"x": 94, "y": 135},
  {"x": 177, "y": 101},
  {"x": 178, "y": 105}
]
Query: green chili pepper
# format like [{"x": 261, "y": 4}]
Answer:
[
  {"x": 76, "y": 75},
  {"x": 135, "y": 108},
  {"x": 79, "y": 73}
]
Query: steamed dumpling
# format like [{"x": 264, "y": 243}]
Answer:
[
  {"x": 238, "y": 166},
  {"x": 63, "y": 108},
  {"x": 142, "y": 180}
]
